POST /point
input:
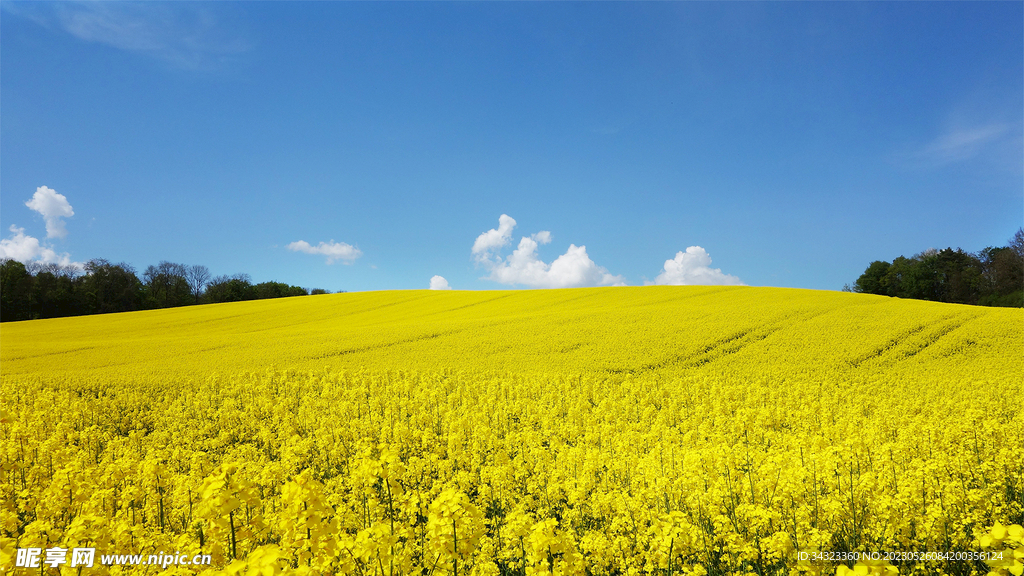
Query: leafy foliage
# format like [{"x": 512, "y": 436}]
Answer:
[
  {"x": 992, "y": 277},
  {"x": 53, "y": 291}
]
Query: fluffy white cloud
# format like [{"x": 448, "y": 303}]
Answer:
[
  {"x": 693, "y": 267},
  {"x": 53, "y": 207},
  {"x": 439, "y": 283},
  {"x": 26, "y": 249},
  {"x": 494, "y": 239},
  {"x": 523, "y": 266},
  {"x": 333, "y": 250}
]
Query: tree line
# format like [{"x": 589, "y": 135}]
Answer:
[
  {"x": 992, "y": 277},
  {"x": 52, "y": 290}
]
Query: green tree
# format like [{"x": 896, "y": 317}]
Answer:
[
  {"x": 167, "y": 285},
  {"x": 1003, "y": 274},
  {"x": 16, "y": 286},
  {"x": 992, "y": 277},
  {"x": 109, "y": 287},
  {"x": 960, "y": 277},
  {"x": 870, "y": 282},
  {"x": 230, "y": 289},
  {"x": 54, "y": 295},
  {"x": 278, "y": 290}
]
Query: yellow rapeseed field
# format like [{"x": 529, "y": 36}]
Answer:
[{"x": 607, "y": 431}]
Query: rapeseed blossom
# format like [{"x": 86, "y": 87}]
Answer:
[{"x": 616, "y": 431}]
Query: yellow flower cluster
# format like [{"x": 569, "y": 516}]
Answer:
[
  {"x": 641, "y": 431},
  {"x": 1007, "y": 543}
]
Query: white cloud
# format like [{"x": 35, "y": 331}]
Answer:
[
  {"x": 523, "y": 266},
  {"x": 26, "y": 249},
  {"x": 542, "y": 237},
  {"x": 333, "y": 250},
  {"x": 493, "y": 239},
  {"x": 439, "y": 283},
  {"x": 53, "y": 207},
  {"x": 693, "y": 267},
  {"x": 183, "y": 34},
  {"x": 962, "y": 143}
]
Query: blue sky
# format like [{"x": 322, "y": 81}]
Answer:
[{"x": 370, "y": 146}]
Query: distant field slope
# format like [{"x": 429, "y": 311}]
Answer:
[
  {"x": 773, "y": 332},
  {"x": 642, "y": 431}
]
